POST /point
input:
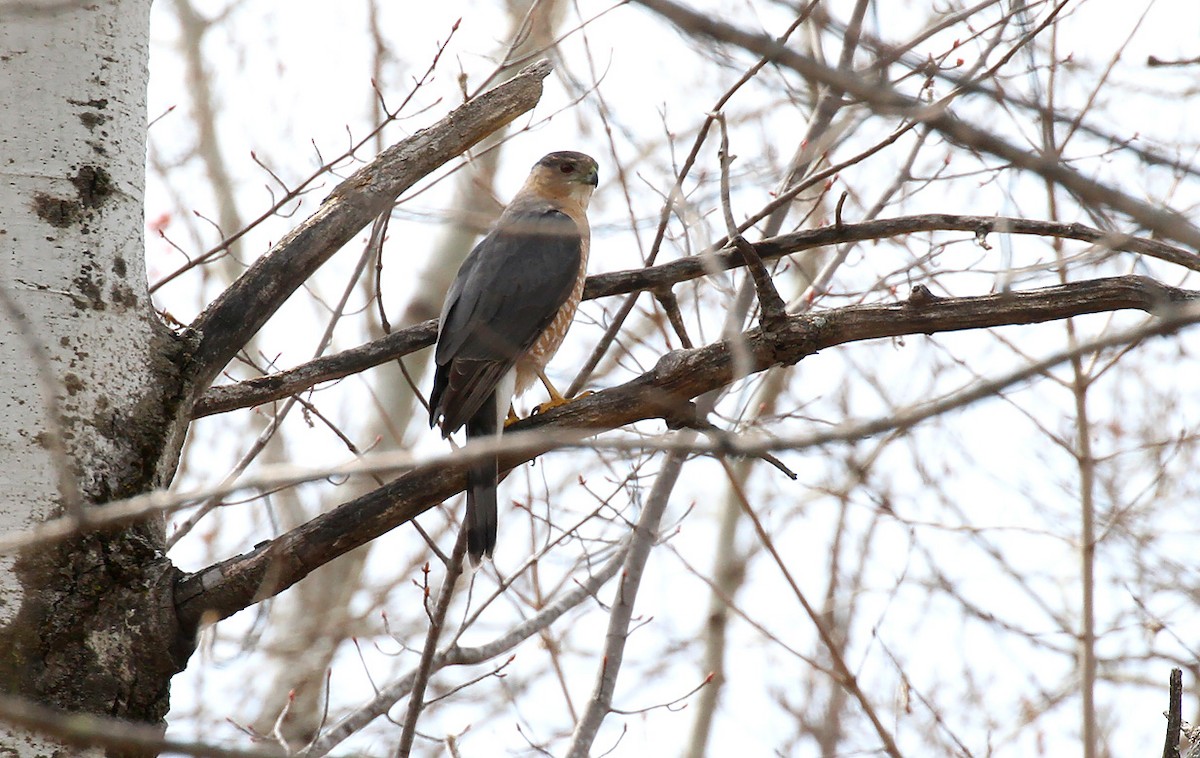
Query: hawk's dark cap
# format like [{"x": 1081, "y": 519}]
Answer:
[{"x": 570, "y": 162}]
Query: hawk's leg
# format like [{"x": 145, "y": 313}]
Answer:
[
  {"x": 512, "y": 417},
  {"x": 556, "y": 397}
]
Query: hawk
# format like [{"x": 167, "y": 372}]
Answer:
[{"x": 505, "y": 316}]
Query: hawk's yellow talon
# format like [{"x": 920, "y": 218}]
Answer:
[{"x": 558, "y": 402}]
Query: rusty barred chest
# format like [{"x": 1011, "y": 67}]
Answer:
[{"x": 547, "y": 345}]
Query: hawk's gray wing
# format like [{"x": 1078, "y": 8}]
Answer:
[{"x": 506, "y": 294}]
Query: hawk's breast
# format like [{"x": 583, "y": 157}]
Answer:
[{"x": 548, "y": 343}]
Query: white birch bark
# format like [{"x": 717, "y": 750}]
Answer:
[{"x": 73, "y": 81}]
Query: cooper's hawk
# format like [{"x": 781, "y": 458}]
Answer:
[{"x": 506, "y": 314}]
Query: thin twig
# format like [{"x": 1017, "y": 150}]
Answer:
[
  {"x": 770, "y": 303},
  {"x": 416, "y": 698}
]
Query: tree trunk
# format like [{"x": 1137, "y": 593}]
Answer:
[{"x": 90, "y": 376}]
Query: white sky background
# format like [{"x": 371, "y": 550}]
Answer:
[{"x": 290, "y": 74}]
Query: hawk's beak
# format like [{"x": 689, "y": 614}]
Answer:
[{"x": 592, "y": 178}]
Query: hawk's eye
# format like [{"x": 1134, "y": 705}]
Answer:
[{"x": 567, "y": 168}]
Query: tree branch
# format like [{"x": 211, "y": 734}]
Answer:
[
  {"x": 264, "y": 389},
  {"x": 425, "y": 668},
  {"x": 276, "y": 386},
  {"x": 770, "y": 304},
  {"x": 240, "y": 311},
  {"x": 223, "y": 589}
]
